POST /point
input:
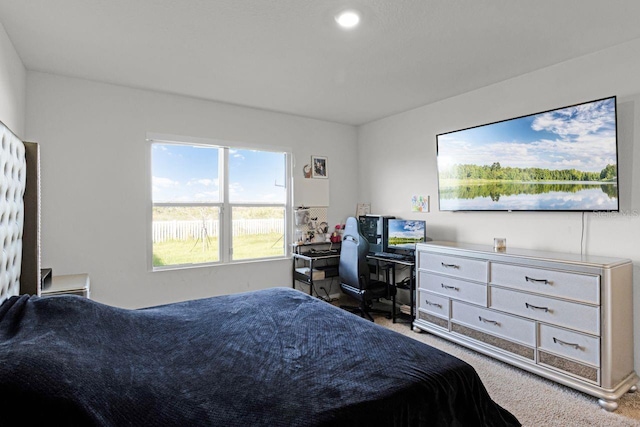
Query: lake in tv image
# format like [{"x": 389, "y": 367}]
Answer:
[{"x": 559, "y": 160}]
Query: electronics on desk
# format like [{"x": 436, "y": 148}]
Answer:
[
  {"x": 374, "y": 229},
  {"x": 402, "y": 236}
]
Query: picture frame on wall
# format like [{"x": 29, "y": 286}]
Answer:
[
  {"x": 363, "y": 209},
  {"x": 319, "y": 166}
]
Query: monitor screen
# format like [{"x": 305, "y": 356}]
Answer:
[
  {"x": 403, "y": 234},
  {"x": 559, "y": 160}
]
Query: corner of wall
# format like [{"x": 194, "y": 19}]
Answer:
[{"x": 13, "y": 78}]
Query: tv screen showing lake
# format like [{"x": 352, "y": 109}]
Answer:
[
  {"x": 558, "y": 160},
  {"x": 530, "y": 197}
]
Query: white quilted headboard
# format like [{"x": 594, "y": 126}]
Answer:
[{"x": 13, "y": 173}]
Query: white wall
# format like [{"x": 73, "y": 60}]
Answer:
[
  {"x": 95, "y": 185},
  {"x": 404, "y": 149},
  {"x": 13, "y": 77}
]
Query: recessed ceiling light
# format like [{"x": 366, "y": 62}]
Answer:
[{"x": 348, "y": 18}]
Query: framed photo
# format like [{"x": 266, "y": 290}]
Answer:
[
  {"x": 319, "y": 167},
  {"x": 363, "y": 209}
]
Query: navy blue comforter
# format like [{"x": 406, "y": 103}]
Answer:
[{"x": 268, "y": 358}]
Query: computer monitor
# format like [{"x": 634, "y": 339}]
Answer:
[{"x": 403, "y": 234}]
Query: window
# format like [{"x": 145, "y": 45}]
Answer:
[{"x": 217, "y": 204}]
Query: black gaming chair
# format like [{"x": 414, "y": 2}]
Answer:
[{"x": 355, "y": 277}]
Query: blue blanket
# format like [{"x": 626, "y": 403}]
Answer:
[{"x": 268, "y": 358}]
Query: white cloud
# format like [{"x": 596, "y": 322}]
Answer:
[
  {"x": 270, "y": 197},
  {"x": 235, "y": 154},
  {"x": 580, "y": 120},
  {"x": 235, "y": 188},
  {"x": 587, "y": 152},
  {"x": 207, "y": 182},
  {"x": 160, "y": 182},
  {"x": 207, "y": 196}
]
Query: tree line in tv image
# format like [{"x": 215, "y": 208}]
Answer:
[
  {"x": 495, "y": 172},
  {"x": 404, "y": 241},
  {"x": 476, "y": 182},
  {"x": 564, "y": 159}
]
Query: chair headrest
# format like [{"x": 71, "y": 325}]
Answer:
[{"x": 351, "y": 228}]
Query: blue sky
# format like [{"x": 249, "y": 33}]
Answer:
[
  {"x": 581, "y": 137},
  {"x": 184, "y": 173}
]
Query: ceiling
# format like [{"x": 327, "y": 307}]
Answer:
[{"x": 289, "y": 56}]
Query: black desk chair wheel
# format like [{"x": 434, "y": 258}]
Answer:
[{"x": 355, "y": 277}]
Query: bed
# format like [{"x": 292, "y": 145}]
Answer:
[{"x": 264, "y": 358}]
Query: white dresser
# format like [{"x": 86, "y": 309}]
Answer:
[{"x": 566, "y": 317}]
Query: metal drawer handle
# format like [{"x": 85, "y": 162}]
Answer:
[
  {"x": 545, "y": 309},
  {"x": 532, "y": 280},
  {"x": 567, "y": 344},
  {"x": 492, "y": 322},
  {"x": 449, "y": 287},
  {"x": 433, "y": 303},
  {"x": 449, "y": 265}
]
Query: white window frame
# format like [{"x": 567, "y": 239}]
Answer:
[{"x": 225, "y": 206}]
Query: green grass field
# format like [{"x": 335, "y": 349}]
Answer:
[{"x": 177, "y": 252}]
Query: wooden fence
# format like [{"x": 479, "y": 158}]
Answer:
[{"x": 185, "y": 230}]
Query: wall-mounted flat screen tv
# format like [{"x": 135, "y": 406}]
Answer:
[{"x": 559, "y": 160}]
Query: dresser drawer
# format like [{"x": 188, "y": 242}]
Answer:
[
  {"x": 556, "y": 312},
  {"x": 464, "y": 268},
  {"x": 453, "y": 288},
  {"x": 584, "y": 348},
  {"x": 499, "y": 324},
  {"x": 434, "y": 304},
  {"x": 578, "y": 287}
]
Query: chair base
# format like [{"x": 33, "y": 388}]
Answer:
[{"x": 364, "y": 311}]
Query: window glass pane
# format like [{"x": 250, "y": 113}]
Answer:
[
  {"x": 185, "y": 235},
  {"x": 258, "y": 232},
  {"x": 184, "y": 173},
  {"x": 256, "y": 176}
]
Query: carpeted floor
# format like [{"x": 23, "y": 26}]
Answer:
[{"x": 535, "y": 401}]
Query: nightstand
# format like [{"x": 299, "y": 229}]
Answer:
[{"x": 70, "y": 284}]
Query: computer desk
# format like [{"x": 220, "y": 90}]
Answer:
[{"x": 393, "y": 263}]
